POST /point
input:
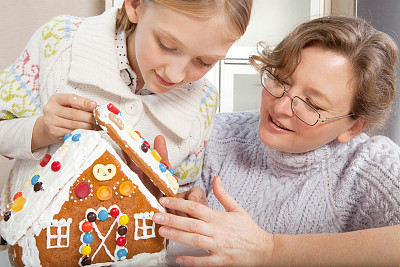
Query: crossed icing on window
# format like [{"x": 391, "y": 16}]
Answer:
[
  {"x": 144, "y": 225},
  {"x": 59, "y": 232}
]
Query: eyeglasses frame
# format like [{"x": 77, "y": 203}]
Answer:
[{"x": 292, "y": 99}]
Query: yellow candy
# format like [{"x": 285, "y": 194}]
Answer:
[
  {"x": 156, "y": 155},
  {"x": 85, "y": 250},
  {"x": 123, "y": 220},
  {"x": 18, "y": 204},
  {"x": 126, "y": 188},
  {"x": 172, "y": 180},
  {"x": 104, "y": 193},
  {"x": 132, "y": 133}
]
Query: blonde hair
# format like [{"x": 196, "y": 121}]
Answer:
[
  {"x": 237, "y": 13},
  {"x": 372, "y": 54}
]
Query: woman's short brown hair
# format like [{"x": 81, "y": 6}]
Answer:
[
  {"x": 237, "y": 13},
  {"x": 372, "y": 53}
]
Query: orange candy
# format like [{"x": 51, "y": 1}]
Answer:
[
  {"x": 126, "y": 188},
  {"x": 87, "y": 227},
  {"x": 18, "y": 204},
  {"x": 17, "y": 195}
]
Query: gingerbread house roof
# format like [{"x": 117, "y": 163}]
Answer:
[{"x": 47, "y": 190}]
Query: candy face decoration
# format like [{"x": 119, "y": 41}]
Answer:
[{"x": 104, "y": 173}]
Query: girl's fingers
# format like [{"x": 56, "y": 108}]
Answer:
[
  {"x": 191, "y": 208},
  {"x": 75, "y": 101},
  {"x": 188, "y": 238}
]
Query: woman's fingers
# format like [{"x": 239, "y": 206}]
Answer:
[
  {"x": 224, "y": 197},
  {"x": 191, "y": 208}
]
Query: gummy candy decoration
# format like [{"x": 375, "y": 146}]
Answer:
[
  {"x": 138, "y": 133},
  {"x": 114, "y": 212},
  {"x": 121, "y": 241},
  {"x": 126, "y": 188},
  {"x": 56, "y": 166},
  {"x": 104, "y": 172},
  {"x": 87, "y": 238},
  {"x": 82, "y": 190},
  {"x": 123, "y": 220},
  {"x": 104, "y": 193},
  {"x": 76, "y": 137},
  {"x": 103, "y": 215},
  {"x": 45, "y": 160},
  {"x": 121, "y": 253},
  {"x": 87, "y": 227},
  {"x": 171, "y": 171},
  {"x": 18, "y": 204},
  {"x": 156, "y": 155},
  {"x": 85, "y": 250},
  {"x": 17, "y": 195},
  {"x": 132, "y": 133},
  {"x": 113, "y": 109}
]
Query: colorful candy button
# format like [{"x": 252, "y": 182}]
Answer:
[
  {"x": 85, "y": 250},
  {"x": 91, "y": 216},
  {"x": 126, "y": 188},
  {"x": 113, "y": 109},
  {"x": 123, "y": 219},
  {"x": 114, "y": 212},
  {"x": 67, "y": 136},
  {"x": 56, "y": 166},
  {"x": 144, "y": 148},
  {"x": 163, "y": 167},
  {"x": 17, "y": 195},
  {"x": 38, "y": 187},
  {"x": 156, "y": 155},
  {"x": 121, "y": 254},
  {"x": 104, "y": 193},
  {"x": 76, "y": 137},
  {"x": 87, "y": 227},
  {"x": 103, "y": 215},
  {"x": 87, "y": 238},
  {"x": 121, "y": 241},
  {"x": 18, "y": 204},
  {"x": 82, "y": 190},
  {"x": 45, "y": 160},
  {"x": 7, "y": 216},
  {"x": 171, "y": 171},
  {"x": 122, "y": 230},
  {"x": 86, "y": 261},
  {"x": 147, "y": 144},
  {"x": 35, "y": 178}
]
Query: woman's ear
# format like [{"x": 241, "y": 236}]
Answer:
[
  {"x": 353, "y": 131},
  {"x": 131, "y": 8}
]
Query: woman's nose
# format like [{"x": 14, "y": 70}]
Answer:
[{"x": 283, "y": 105}]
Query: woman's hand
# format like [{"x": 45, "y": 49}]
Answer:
[
  {"x": 231, "y": 237},
  {"x": 61, "y": 115}
]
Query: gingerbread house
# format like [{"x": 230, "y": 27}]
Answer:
[{"x": 83, "y": 205}]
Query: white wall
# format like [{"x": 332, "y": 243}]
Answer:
[{"x": 18, "y": 21}]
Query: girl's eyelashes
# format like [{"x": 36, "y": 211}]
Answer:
[
  {"x": 163, "y": 47},
  {"x": 204, "y": 64}
]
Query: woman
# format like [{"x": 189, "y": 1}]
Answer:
[{"x": 302, "y": 169}]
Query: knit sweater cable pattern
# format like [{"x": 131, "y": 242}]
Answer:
[{"x": 336, "y": 188}]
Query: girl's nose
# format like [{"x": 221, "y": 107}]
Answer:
[{"x": 176, "y": 71}]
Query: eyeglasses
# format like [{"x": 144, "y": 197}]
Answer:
[{"x": 303, "y": 110}]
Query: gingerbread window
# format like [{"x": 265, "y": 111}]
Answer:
[
  {"x": 58, "y": 233},
  {"x": 144, "y": 225}
]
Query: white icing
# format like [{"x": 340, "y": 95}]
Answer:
[
  {"x": 140, "y": 223},
  {"x": 135, "y": 145},
  {"x": 59, "y": 224}
]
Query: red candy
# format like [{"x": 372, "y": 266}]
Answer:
[
  {"x": 113, "y": 109},
  {"x": 114, "y": 212},
  {"x": 17, "y": 195},
  {"x": 147, "y": 144},
  {"x": 121, "y": 241},
  {"x": 82, "y": 190},
  {"x": 165, "y": 165},
  {"x": 87, "y": 227},
  {"x": 45, "y": 160},
  {"x": 56, "y": 166}
]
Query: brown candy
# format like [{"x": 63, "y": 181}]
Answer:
[
  {"x": 38, "y": 186},
  {"x": 91, "y": 216},
  {"x": 86, "y": 261},
  {"x": 7, "y": 215},
  {"x": 116, "y": 120},
  {"x": 144, "y": 148},
  {"x": 122, "y": 230}
]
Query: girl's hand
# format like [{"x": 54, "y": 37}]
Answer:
[
  {"x": 62, "y": 114},
  {"x": 231, "y": 237}
]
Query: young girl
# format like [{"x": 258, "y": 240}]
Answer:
[
  {"x": 302, "y": 168},
  {"x": 147, "y": 58}
]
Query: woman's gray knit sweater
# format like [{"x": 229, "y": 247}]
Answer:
[{"x": 336, "y": 188}]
